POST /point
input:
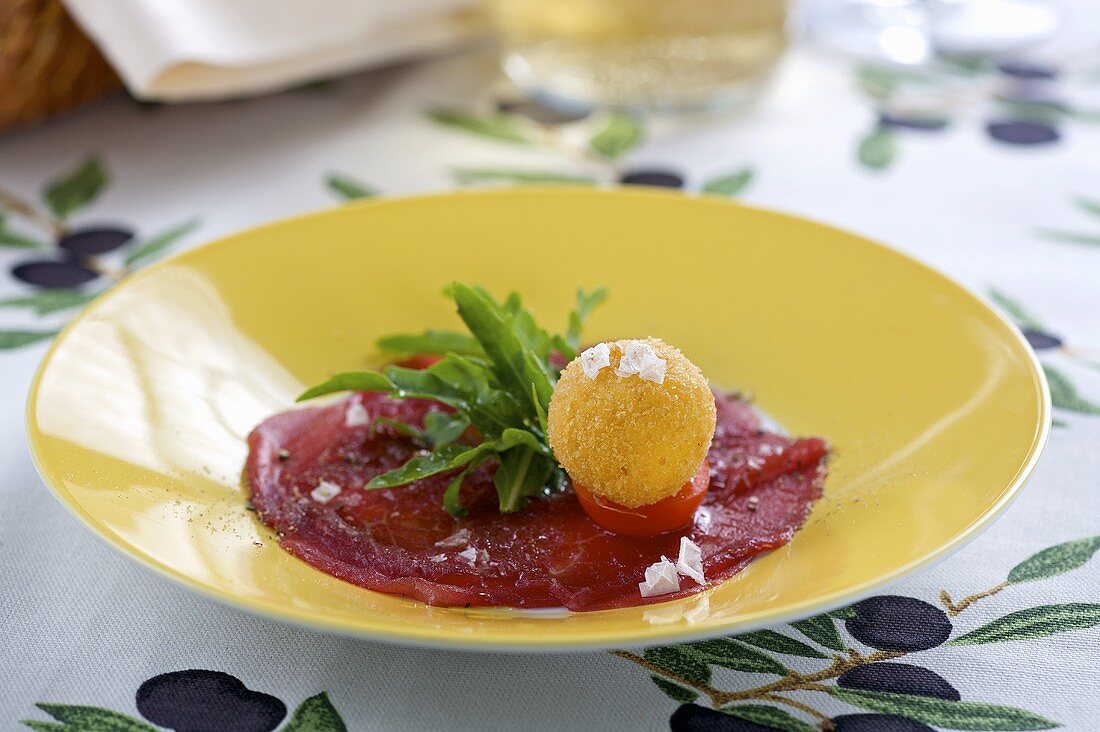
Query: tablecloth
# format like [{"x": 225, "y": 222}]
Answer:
[{"x": 988, "y": 172}]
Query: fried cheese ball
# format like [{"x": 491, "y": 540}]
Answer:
[{"x": 637, "y": 438}]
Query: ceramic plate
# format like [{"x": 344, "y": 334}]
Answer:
[{"x": 935, "y": 405}]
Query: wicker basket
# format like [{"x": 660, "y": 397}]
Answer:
[{"x": 46, "y": 63}]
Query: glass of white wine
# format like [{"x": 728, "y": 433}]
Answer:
[{"x": 654, "y": 54}]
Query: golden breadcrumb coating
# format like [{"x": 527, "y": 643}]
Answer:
[{"x": 629, "y": 440}]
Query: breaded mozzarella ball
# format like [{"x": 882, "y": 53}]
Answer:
[{"x": 631, "y": 420}]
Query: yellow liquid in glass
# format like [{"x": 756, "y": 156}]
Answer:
[{"x": 655, "y": 53}]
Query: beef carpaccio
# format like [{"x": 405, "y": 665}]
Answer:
[{"x": 400, "y": 540}]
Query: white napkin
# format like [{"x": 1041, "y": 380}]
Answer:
[{"x": 182, "y": 50}]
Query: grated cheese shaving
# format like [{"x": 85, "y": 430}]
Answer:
[
  {"x": 660, "y": 579},
  {"x": 640, "y": 358},
  {"x": 356, "y": 415},
  {"x": 594, "y": 359},
  {"x": 690, "y": 561},
  {"x": 458, "y": 539},
  {"x": 325, "y": 492}
]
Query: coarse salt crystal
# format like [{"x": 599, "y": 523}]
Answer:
[
  {"x": 690, "y": 561},
  {"x": 458, "y": 539},
  {"x": 437, "y": 558},
  {"x": 468, "y": 555},
  {"x": 356, "y": 415},
  {"x": 594, "y": 359},
  {"x": 660, "y": 579},
  {"x": 640, "y": 358},
  {"x": 325, "y": 492}
]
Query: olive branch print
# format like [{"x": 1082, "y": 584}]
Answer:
[
  {"x": 69, "y": 265},
  {"x": 1021, "y": 104},
  {"x": 1087, "y": 239},
  {"x": 896, "y": 697},
  {"x": 592, "y": 147},
  {"x": 1063, "y": 394},
  {"x": 195, "y": 700}
]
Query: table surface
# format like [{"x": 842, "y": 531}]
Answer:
[{"x": 994, "y": 193}]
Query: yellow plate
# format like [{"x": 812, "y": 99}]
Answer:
[{"x": 935, "y": 405}]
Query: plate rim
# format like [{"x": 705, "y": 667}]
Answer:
[{"x": 648, "y": 635}]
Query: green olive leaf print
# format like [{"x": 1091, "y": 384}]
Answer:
[
  {"x": 472, "y": 176},
  {"x": 76, "y": 189},
  {"x": 1055, "y": 560},
  {"x": 88, "y": 719},
  {"x": 153, "y": 247},
  {"x": 769, "y": 717},
  {"x": 945, "y": 713},
  {"x": 727, "y": 653},
  {"x": 17, "y": 338},
  {"x": 14, "y": 240},
  {"x": 46, "y": 726},
  {"x": 494, "y": 126},
  {"x": 878, "y": 149},
  {"x": 679, "y": 662},
  {"x": 50, "y": 301},
  {"x": 769, "y": 640},
  {"x": 1035, "y": 622},
  {"x": 618, "y": 135},
  {"x": 348, "y": 188},
  {"x": 1088, "y": 240},
  {"x": 843, "y": 613},
  {"x": 1064, "y": 394},
  {"x": 315, "y": 714},
  {"x": 820, "y": 629},
  {"x": 674, "y": 691},
  {"x": 1015, "y": 310},
  {"x": 730, "y": 184},
  {"x": 1087, "y": 205}
]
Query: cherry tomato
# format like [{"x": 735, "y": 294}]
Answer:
[
  {"x": 669, "y": 514},
  {"x": 419, "y": 361}
]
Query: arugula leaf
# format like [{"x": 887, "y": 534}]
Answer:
[
  {"x": 431, "y": 341},
  {"x": 440, "y": 460},
  {"x": 498, "y": 380},
  {"x": 586, "y": 303},
  {"x": 401, "y": 428},
  {"x": 452, "y": 497},
  {"x": 522, "y": 474},
  {"x": 513, "y": 361},
  {"x": 349, "y": 381},
  {"x": 442, "y": 428}
]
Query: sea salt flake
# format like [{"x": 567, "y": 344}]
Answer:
[
  {"x": 595, "y": 358},
  {"x": 356, "y": 415},
  {"x": 640, "y": 358},
  {"x": 690, "y": 561},
  {"x": 456, "y": 540},
  {"x": 325, "y": 492},
  {"x": 468, "y": 555},
  {"x": 437, "y": 558},
  {"x": 660, "y": 579}
]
